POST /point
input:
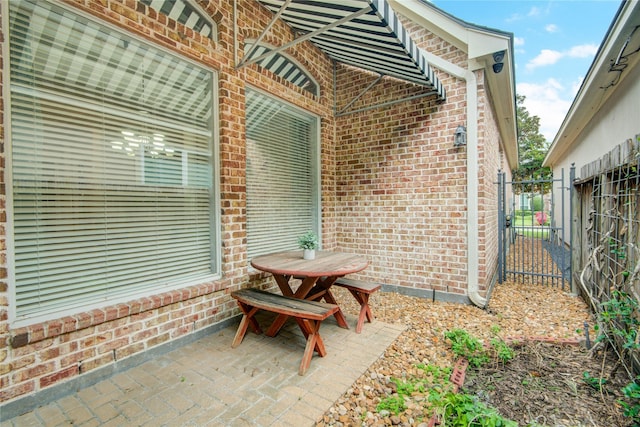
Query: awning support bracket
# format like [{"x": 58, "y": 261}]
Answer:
[
  {"x": 358, "y": 96},
  {"x": 344, "y": 112},
  {"x": 275, "y": 18},
  {"x": 388, "y": 103},
  {"x": 244, "y": 61}
]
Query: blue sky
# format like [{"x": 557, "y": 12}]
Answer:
[{"x": 555, "y": 42}]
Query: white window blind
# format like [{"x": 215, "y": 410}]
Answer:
[
  {"x": 282, "y": 184},
  {"x": 111, "y": 162}
]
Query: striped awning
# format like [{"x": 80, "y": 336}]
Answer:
[
  {"x": 185, "y": 13},
  {"x": 362, "y": 33}
]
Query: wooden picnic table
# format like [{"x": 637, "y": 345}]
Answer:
[{"x": 317, "y": 275}]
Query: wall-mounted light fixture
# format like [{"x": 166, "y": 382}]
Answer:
[
  {"x": 460, "y": 137},
  {"x": 498, "y": 58}
]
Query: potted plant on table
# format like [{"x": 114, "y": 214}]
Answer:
[{"x": 308, "y": 242}]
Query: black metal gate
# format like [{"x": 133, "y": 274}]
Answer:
[{"x": 533, "y": 236}]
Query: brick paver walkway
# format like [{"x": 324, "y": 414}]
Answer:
[{"x": 207, "y": 383}]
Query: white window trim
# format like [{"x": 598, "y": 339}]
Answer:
[
  {"x": 216, "y": 260},
  {"x": 317, "y": 160}
]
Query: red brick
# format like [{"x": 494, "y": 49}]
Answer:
[
  {"x": 47, "y": 380},
  {"x": 126, "y": 351},
  {"x": 91, "y": 364},
  {"x": 17, "y": 390}
]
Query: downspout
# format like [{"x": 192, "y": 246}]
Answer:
[{"x": 472, "y": 171}]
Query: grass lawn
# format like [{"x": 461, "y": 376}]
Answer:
[{"x": 526, "y": 225}]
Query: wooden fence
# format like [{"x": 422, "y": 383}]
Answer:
[{"x": 606, "y": 247}]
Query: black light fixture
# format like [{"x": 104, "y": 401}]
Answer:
[
  {"x": 460, "y": 137},
  {"x": 498, "y": 58}
]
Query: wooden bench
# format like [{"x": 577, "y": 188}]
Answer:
[
  {"x": 361, "y": 290},
  {"x": 308, "y": 314}
]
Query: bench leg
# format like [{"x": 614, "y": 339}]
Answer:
[
  {"x": 307, "y": 327},
  {"x": 311, "y": 329},
  {"x": 247, "y": 319},
  {"x": 277, "y": 324},
  {"x": 365, "y": 311},
  {"x": 301, "y": 293},
  {"x": 342, "y": 321}
]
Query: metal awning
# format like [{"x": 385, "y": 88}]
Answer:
[{"x": 362, "y": 33}]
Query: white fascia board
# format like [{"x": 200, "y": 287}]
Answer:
[
  {"x": 472, "y": 39},
  {"x": 438, "y": 23},
  {"x": 483, "y": 44}
]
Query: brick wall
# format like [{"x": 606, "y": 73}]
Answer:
[
  {"x": 43, "y": 354},
  {"x": 393, "y": 188},
  {"x": 402, "y": 185}
]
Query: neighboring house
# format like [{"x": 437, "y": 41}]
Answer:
[
  {"x": 600, "y": 136},
  {"x": 151, "y": 149},
  {"x": 604, "y": 113}
]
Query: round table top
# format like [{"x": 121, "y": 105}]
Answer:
[{"x": 326, "y": 263}]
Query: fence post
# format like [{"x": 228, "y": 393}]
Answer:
[{"x": 572, "y": 221}]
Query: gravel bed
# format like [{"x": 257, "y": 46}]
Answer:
[{"x": 516, "y": 309}]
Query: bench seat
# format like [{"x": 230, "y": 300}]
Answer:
[
  {"x": 361, "y": 290},
  {"x": 308, "y": 314}
]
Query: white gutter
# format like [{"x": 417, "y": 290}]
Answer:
[{"x": 472, "y": 171}]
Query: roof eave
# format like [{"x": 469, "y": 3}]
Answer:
[
  {"x": 592, "y": 92},
  {"x": 480, "y": 43}
]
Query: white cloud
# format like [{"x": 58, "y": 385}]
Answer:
[
  {"x": 550, "y": 101},
  {"x": 583, "y": 51},
  {"x": 550, "y": 57},
  {"x": 514, "y": 18},
  {"x": 518, "y": 41},
  {"x": 551, "y": 28},
  {"x": 545, "y": 57},
  {"x": 534, "y": 11}
]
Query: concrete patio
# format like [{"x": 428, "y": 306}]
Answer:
[{"x": 207, "y": 383}]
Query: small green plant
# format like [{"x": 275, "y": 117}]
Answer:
[
  {"x": 308, "y": 240},
  {"x": 465, "y": 410},
  {"x": 594, "y": 382},
  {"x": 504, "y": 352},
  {"x": 502, "y": 349},
  {"x": 619, "y": 313},
  {"x": 436, "y": 373},
  {"x": 619, "y": 252},
  {"x": 433, "y": 383},
  {"x": 394, "y": 404},
  {"x": 467, "y": 346},
  {"x": 631, "y": 408},
  {"x": 408, "y": 387},
  {"x": 619, "y": 316}
]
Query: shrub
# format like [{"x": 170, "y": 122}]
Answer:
[{"x": 537, "y": 203}]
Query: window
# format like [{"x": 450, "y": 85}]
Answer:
[
  {"x": 282, "y": 174},
  {"x": 111, "y": 165}
]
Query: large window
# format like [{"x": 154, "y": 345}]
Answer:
[
  {"x": 112, "y": 169},
  {"x": 282, "y": 174}
]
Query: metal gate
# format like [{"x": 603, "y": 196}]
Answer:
[{"x": 533, "y": 236}]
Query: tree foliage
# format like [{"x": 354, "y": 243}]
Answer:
[{"x": 532, "y": 147}]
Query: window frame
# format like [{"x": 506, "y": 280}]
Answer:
[
  {"x": 316, "y": 160},
  {"x": 215, "y": 192}
]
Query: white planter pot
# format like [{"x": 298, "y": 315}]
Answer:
[{"x": 309, "y": 254}]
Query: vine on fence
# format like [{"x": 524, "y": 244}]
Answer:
[{"x": 610, "y": 278}]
